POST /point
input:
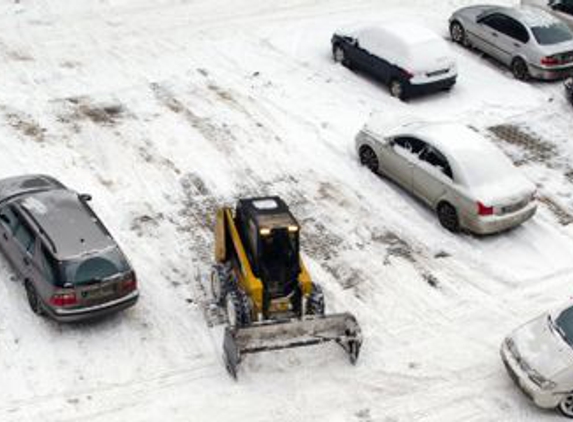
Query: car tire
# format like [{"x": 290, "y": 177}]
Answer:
[
  {"x": 566, "y": 406},
  {"x": 458, "y": 33},
  {"x": 448, "y": 217},
  {"x": 220, "y": 281},
  {"x": 369, "y": 159},
  {"x": 338, "y": 54},
  {"x": 519, "y": 69},
  {"x": 238, "y": 308},
  {"x": 397, "y": 89},
  {"x": 33, "y": 299}
]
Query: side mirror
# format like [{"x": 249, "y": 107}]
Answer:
[{"x": 85, "y": 197}]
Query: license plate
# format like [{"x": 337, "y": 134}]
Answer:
[{"x": 99, "y": 292}]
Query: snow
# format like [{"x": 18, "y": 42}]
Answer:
[{"x": 219, "y": 100}]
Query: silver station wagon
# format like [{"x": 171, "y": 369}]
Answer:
[
  {"x": 71, "y": 266},
  {"x": 531, "y": 41},
  {"x": 460, "y": 174}
]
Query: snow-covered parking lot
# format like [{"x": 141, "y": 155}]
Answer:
[{"x": 165, "y": 109}]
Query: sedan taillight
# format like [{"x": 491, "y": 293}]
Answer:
[
  {"x": 484, "y": 210},
  {"x": 63, "y": 299},
  {"x": 550, "y": 61}
]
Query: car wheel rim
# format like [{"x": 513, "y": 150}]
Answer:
[
  {"x": 396, "y": 89},
  {"x": 519, "y": 70},
  {"x": 368, "y": 159},
  {"x": 448, "y": 217},
  {"x": 338, "y": 55},
  {"x": 567, "y": 406},
  {"x": 457, "y": 33},
  {"x": 231, "y": 312}
]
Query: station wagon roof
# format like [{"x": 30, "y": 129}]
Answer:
[{"x": 67, "y": 222}]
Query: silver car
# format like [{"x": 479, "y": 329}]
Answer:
[
  {"x": 531, "y": 41},
  {"x": 71, "y": 266},
  {"x": 538, "y": 357},
  {"x": 460, "y": 174},
  {"x": 563, "y": 9}
]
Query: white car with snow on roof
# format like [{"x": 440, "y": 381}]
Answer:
[{"x": 459, "y": 173}]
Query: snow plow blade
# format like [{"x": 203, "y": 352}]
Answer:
[{"x": 277, "y": 335}]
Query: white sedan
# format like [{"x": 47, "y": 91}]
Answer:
[{"x": 459, "y": 173}]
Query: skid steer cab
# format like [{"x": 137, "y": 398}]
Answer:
[{"x": 261, "y": 282}]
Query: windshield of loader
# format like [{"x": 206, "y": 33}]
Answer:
[{"x": 279, "y": 253}]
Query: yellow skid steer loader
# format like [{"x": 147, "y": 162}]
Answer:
[{"x": 261, "y": 283}]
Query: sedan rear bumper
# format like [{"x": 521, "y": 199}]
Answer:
[
  {"x": 83, "y": 314},
  {"x": 542, "y": 398},
  {"x": 498, "y": 223},
  {"x": 550, "y": 74}
]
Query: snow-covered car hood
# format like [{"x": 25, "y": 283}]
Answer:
[
  {"x": 430, "y": 56},
  {"x": 542, "y": 348}
]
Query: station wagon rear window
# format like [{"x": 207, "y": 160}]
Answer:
[{"x": 95, "y": 268}]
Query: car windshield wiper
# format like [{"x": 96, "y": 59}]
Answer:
[{"x": 559, "y": 330}]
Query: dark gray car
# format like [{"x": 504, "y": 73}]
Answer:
[
  {"x": 529, "y": 40},
  {"x": 71, "y": 266}
]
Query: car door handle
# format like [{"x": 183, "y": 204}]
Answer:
[
  {"x": 516, "y": 45},
  {"x": 26, "y": 261},
  {"x": 494, "y": 34},
  {"x": 5, "y": 236}
]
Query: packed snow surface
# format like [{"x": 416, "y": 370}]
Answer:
[{"x": 165, "y": 109}]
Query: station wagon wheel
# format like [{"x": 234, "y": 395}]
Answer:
[
  {"x": 448, "y": 217},
  {"x": 33, "y": 299},
  {"x": 397, "y": 89},
  {"x": 566, "y": 406},
  {"x": 519, "y": 69},
  {"x": 369, "y": 159},
  {"x": 458, "y": 33}
]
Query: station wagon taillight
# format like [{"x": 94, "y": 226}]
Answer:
[
  {"x": 408, "y": 75},
  {"x": 549, "y": 61},
  {"x": 484, "y": 210},
  {"x": 129, "y": 283},
  {"x": 63, "y": 299}
]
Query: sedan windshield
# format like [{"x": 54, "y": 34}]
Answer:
[
  {"x": 95, "y": 267},
  {"x": 552, "y": 34},
  {"x": 564, "y": 324}
]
